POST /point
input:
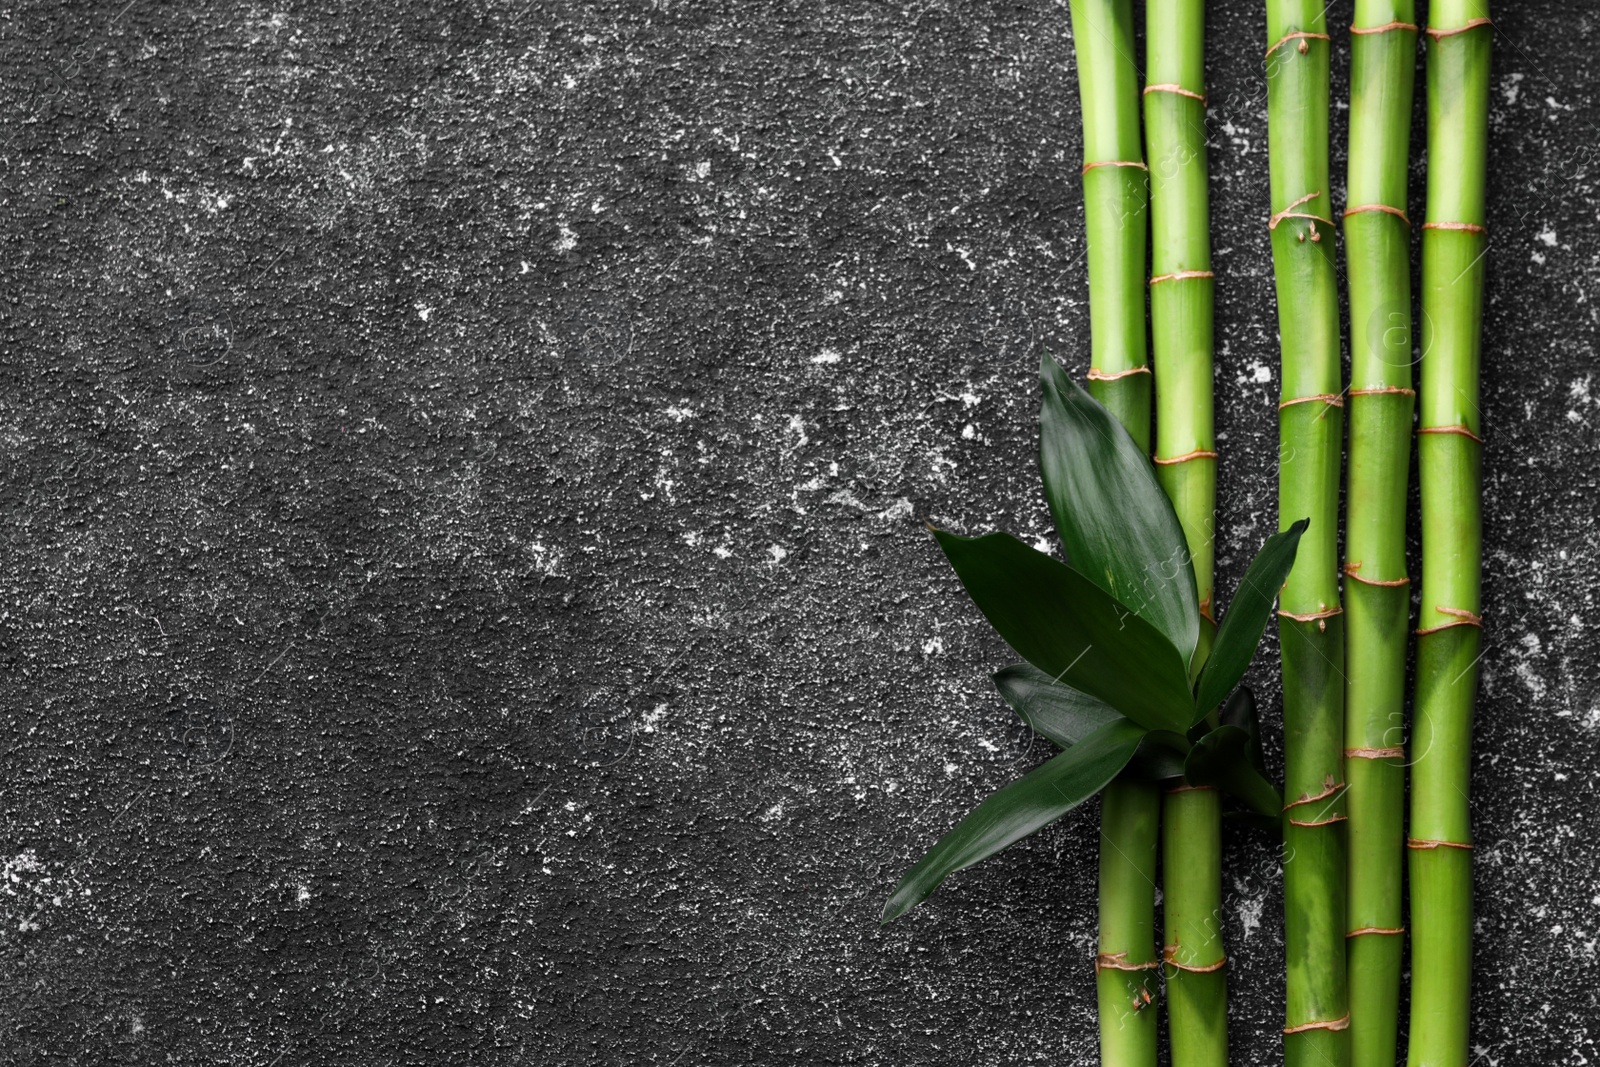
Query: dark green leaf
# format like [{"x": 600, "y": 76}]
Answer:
[
  {"x": 1246, "y": 619},
  {"x": 1160, "y": 756},
  {"x": 1067, "y": 716},
  {"x": 1222, "y": 759},
  {"x": 1031, "y": 803},
  {"x": 1240, "y": 710},
  {"x": 1116, "y": 523},
  {"x": 1073, "y": 630},
  {"x": 1059, "y": 712}
]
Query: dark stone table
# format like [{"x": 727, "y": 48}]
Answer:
[{"x": 465, "y": 598}]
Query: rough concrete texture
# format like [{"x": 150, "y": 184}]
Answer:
[{"x": 465, "y": 600}]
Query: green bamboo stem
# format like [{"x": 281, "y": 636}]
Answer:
[
  {"x": 1191, "y": 908},
  {"x": 1126, "y": 965},
  {"x": 1310, "y": 617},
  {"x": 1181, "y": 329},
  {"x": 1115, "y": 197},
  {"x": 1449, "y": 455},
  {"x": 1377, "y": 599}
]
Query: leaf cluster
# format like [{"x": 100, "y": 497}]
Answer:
[{"x": 1110, "y": 638}]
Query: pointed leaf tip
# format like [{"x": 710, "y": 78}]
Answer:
[
  {"x": 1013, "y": 812},
  {"x": 1246, "y": 618}
]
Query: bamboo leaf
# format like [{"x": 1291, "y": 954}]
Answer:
[
  {"x": 1160, "y": 756},
  {"x": 1115, "y": 522},
  {"x": 1222, "y": 760},
  {"x": 1031, "y": 803},
  {"x": 1058, "y": 712},
  {"x": 1240, "y": 710},
  {"x": 1247, "y": 617},
  {"x": 1066, "y": 716},
  {"x": 1073, "y": 630}
]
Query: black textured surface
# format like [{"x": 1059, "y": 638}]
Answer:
[{"x": 464, "y": 601}]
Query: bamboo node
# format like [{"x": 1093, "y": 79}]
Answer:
[
  {"x": 1387, "y": 27},
  {"x": 1425, "y": 844},
  {"x": 1097, "y": 375},
  {"x": 1319, "y": 617},
  {"x": 1333, "y": 400},
  {"x": 1205, "y": 610},
  {"x": 1396, "y": 752},
  {"x": 1187, "y": 788},
  {"x": 1329, "y": 821},
  {"x": 1383, "y": 390},
  {"x": 1290, "y": 212},
  {"x": 1362, "y": 209},
  {"x": 1303, "y": 36},
  {"x": 1376, "y": 930},
  {"x": 1463, "y": 227},
  {"x": 1087, "y": 167},
  {"x": 1459, "y": 430},
  {"x": 1332, "y": 788},
  {"x": 1181, "y": 275},
  {"x": 1350, "y": 570},
  {"x": 1118, "y": 961},
  {"x": 1460, "y": 617},
  {"x": 1169, "y": 956},
  {"x": 1199, "y": 453},
  {"x": 1471, "y": 24},
  {"x": 1332, "y": 1024},
  {"x": 1170, "y": 88}
]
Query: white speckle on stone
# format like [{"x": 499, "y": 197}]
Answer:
[
  {"x": 1531, "y": 679},
  {"x": 424, "y": 312},
  {"x": 827, "y": 355},
  {"x": 678, "y": 414},
  {"x": 778, "y": 553},
  {"x": 968, "y": 432},
  {"x": 1255, "y": 373},
  {"x": 1548, "y": 236},
  {"x": 722, "y": 551},
  {"x": 933, "y": 646},
  {"x": 302, "y": 894},
  {"x": 568, "y": 239},
  {"x": 652, "y": 719},
  {"x": 546, "y": 560},
  {"x": 1250, "y": 915},
  {"x": 900, "y": 509}
]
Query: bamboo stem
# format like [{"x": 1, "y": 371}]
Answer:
[
  {"x": 1377, "y": 596},
  {"x": 1115, "y": 198},
  {"x": 1197, "y": 987},
  {"x": 1449, "y": 456},
  {"x": 1310, "y": 617},
  {"x": 1126, "y": 966},
  {"x": 1181, "y": 329}
]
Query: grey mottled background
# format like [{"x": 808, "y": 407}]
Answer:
[{"x": 463, "y": 596}]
